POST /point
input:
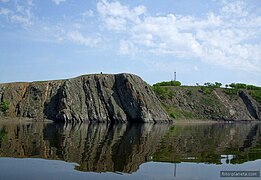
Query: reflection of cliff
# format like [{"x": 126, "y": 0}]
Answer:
[
  {"x": 206, "y": 143},
  {"x": 95, "y": 147}
]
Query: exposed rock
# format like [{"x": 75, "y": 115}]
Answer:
[
  {"x": 251, "y": 105},
  {"x": 217, "y": 104},
  {"x": 100, "y": 98}
]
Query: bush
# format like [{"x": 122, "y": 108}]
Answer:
[
  {"x": 4, "y": 106},
  {"x": 164, "y": 92},
  {"x": 206, "y": 90},
  {"x": 251, "y": 87},
  {"x": 172, "y": 115},
  {"x": 238, "y": 85},
  {"x": 168, "y": 83},
  {"x": 231, "y": 91},
  {"x": 211, "y": 85}
]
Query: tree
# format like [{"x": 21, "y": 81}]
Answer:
[{"x": 218, "y": 84}]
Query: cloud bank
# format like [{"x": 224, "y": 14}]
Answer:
[{"x": 225, "y": 38}]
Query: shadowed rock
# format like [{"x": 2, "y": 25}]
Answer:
[{"x": 100, "y": 98}]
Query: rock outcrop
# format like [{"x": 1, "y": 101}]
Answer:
[
  {"x": 189, "y": 102},
  {"x": 100, "y": 98}
]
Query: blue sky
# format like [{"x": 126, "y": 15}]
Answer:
[{"x": 202, "y": 40}]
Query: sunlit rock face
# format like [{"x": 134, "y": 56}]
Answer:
[
  {"x": 225, "y": 104},
  {"x": 99, "y": 98}
]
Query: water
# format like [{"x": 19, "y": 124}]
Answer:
[{"x": 123, "y": 151}]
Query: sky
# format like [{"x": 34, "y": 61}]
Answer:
[{"x": 201, "y": 40}]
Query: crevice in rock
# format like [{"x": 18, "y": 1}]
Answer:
[{"x": 249, "y": 104}]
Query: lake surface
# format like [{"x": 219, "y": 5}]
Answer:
[{"x": 124, "y": 151}]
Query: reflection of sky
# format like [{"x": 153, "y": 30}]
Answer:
[
  {"x": 225, "y": 159},
  {"x": 13, "y": 168}
]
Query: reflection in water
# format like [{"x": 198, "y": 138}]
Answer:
[
  {"x": 124, "y": 147},
  {"x": 211, "y": 143},
  {"x": 95, "y": 147}
]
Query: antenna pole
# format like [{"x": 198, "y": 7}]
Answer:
[{"x": 175, "y": 76}]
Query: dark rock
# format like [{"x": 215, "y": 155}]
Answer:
[{"x": 100, "y": 98}]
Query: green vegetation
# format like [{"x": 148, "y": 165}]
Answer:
[
  {"x": 256, "y": 94},
  {"x": 200, "y": 101},
  {"x": 254, "y": 91},
  {"x": 175, "y": 113},
  {"x": 206, "y": 90},
  {"x": 163, "y": 92},
  {"x": 213, "y": 85},
  {"x": 244, "y": 86},
  {"x": 162, "y": 88},
  {"x": 231, "y": 91},
  {"x": 4, "y": 106},
  {"x": 209, "y": 87},
  {"x": 3, "y": 135},
  {"x": 168, "y": 83}
]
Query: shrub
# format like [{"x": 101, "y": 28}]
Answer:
[
  {"x": 211, "y": 85},
  {"x": 4, "y": 106},
  {"x": 238, "y": 85},
  {"x": 251, "y": 87},
  {"x": 206, "y": 90},
  {"x": 172, "y": 115},
  {"x": 168, "y": 83}
]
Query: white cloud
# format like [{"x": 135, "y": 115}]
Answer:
[
  {"x": 4, "y": 1},
  {"x": 20, "y": 14},
  {"x": 127, "y": 48},
  {"x": 230, "y": 37},
  {"x": 116, "y": 16},
  {"x": 79, "y": 38},
  {"x": 234, "y": 8},
  {"x": 57, "y": 2}
]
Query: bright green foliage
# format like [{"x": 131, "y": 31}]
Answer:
[
  {"x": 244, "y": 86},
  {"x": 251, "y": 87},
  {"x": 215, "y": 85},
  {"x": 238, "y": 85},
  {"x": 168, "y": 83},
  {"x": 164, "y": 92},
  {"x": 254, "y": 91},
  {"x": 4, "y": 106},
  {"x": 231, "y": 91},
  {"x": 206, "y": 89}
]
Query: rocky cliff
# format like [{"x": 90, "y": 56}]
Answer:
[
  {"x": 197, "y": 102},
  {"x": 100, "y": 98}
]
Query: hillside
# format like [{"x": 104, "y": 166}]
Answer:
[
  {"x": 203, "y": 102},
  {"x": 97, "y": 98}
]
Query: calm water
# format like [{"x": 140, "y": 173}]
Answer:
[{"x": 123, "y": 151}]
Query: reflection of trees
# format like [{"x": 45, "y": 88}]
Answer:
[
  {"x": 124, "y": 147},
  {"x": 206, "y": 143},
  {"x": 95, "y": 147}
]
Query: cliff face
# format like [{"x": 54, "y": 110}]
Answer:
[
  {"x": 100, "y": 98},
  {"x": 206, "y": 103}
]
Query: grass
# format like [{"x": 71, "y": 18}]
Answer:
[{"x": 256, "y": 94}]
